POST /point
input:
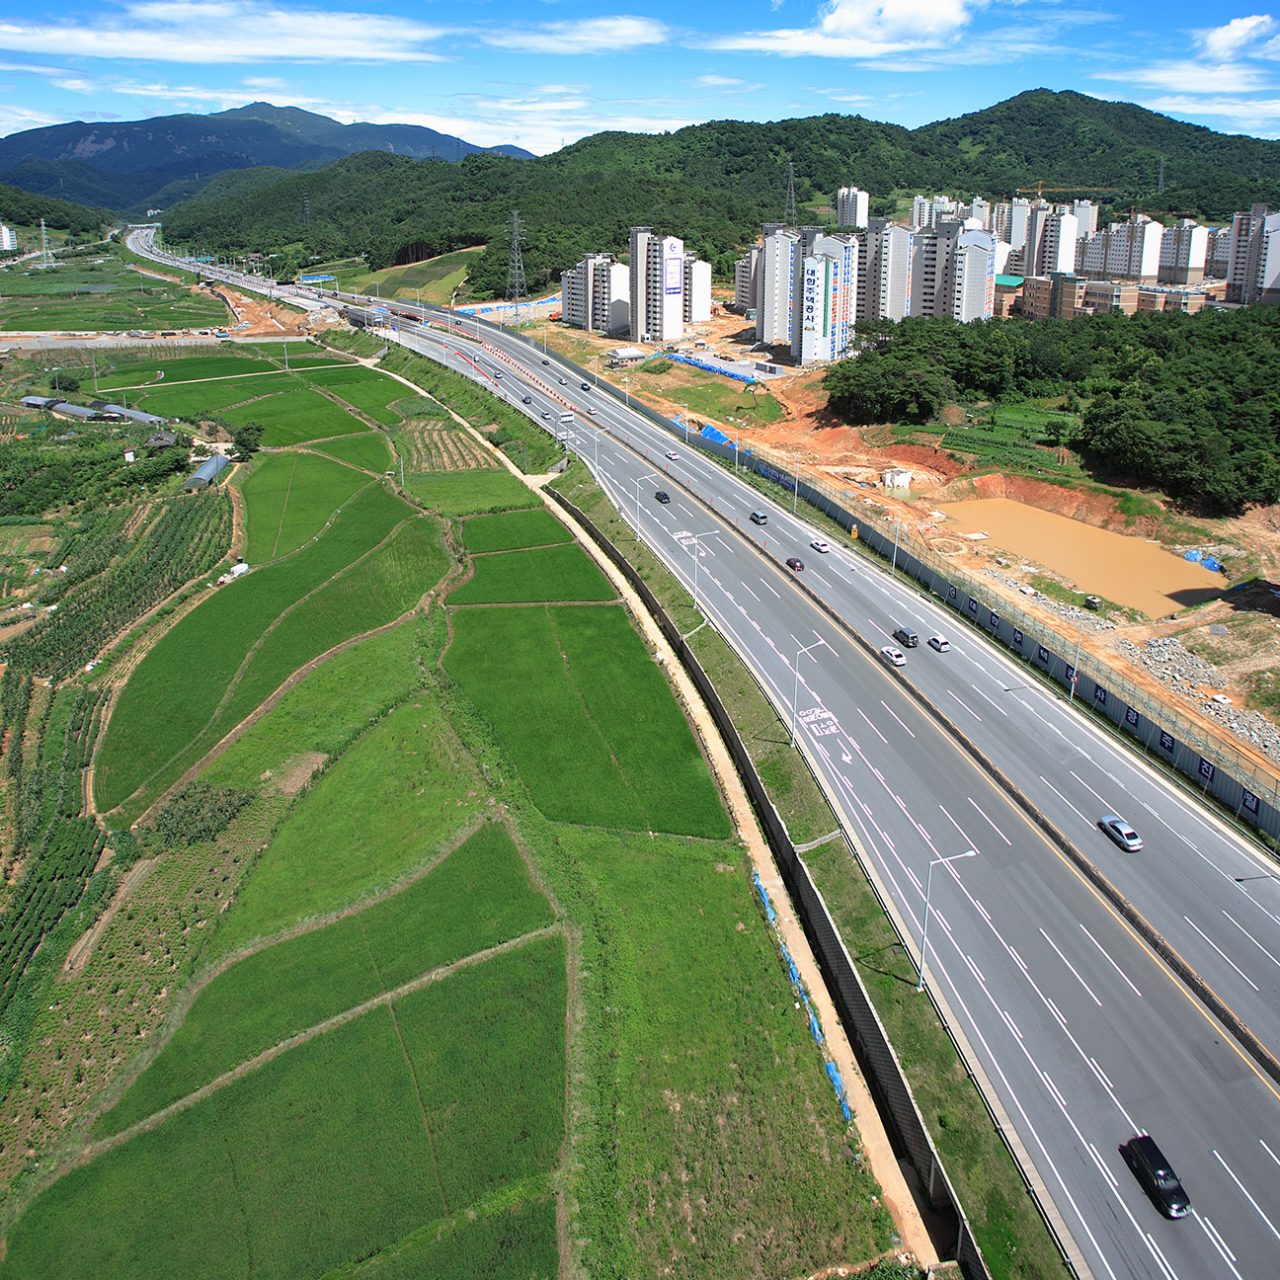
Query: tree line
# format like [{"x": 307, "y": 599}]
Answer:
[{"x": 1189, "y": 405}]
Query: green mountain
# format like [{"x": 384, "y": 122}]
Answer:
[
  {"x": 24, "y": 209},
  {"x": 715, "y": 183}
]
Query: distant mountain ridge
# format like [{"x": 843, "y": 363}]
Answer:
[
  {"x": 714, "y": 184},
  {"x": 135, "y": 164}
]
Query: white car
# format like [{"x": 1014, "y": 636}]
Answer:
[
  {"x": 940, "y": 643},
  {"x": 671, "y": 453},
  {"x": 820, "y": 546},
  {"x": 894, "y": 657}
]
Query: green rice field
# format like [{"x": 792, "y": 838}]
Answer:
[
  {"x": 369, "y": 451},
  {"x": 365, "y": 389},
  {"x": 535, "y": 575},
  {"x": 580, "y": 678},
  {"x": 296, "y": 416},
  {"x": 455, "y": 493},
  {"x": 276, "y": 1151},
  {"x": 479, "y": 896},
  {"x": 289, "y": 497},
  {"x": 512, "y": 530}
]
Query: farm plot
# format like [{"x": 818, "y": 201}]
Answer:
[
  {"x": 398, "y": 794},
  {"x": 292, "y": 417},
  {"x": 479, "y": 896},
  {"x": 199, "y": 397},
  {"x": 176, "y": 689},
  {"x": 580, "y": 678},
  {"x": 514, "y": 529},
  {"x": 460, "y": 493},
  {"x": 378, "y": 589},
  {"x": 369, "y": 451},
  {"x": 367, "y": 390},
  {"x": 280, "y": 1150},
  {"x": 289, "y": 497},
  {"x": 139, "y": 372},
  {"x": 435, "y": 448},
  {"x": 536, "y": 575}
]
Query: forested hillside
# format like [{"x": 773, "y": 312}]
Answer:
[
  {"x": 1185, "y": 404},
  {"x": 25, "y": 210},
  {"x": 715, "y": 183}
]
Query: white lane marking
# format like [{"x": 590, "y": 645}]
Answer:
[
  {"x": 991, "y": 824},
  {"x": 895, "y": 715},
  {"x": 1159, "y": 1257},
  {"x": 748, "y": 590},
  {"x": 873, "y": 728},
  {"x": 1269, "y": 1152},
  {"x": 813, "y": 573},
  {"x": 1102, "y": 800},
  {"x": 1110, "y": 961},
  {"x": 1102, "y": 1168},
  {"x": 991, "y": 700},
  {"x": 968, "y": 844},
  {"x": 1102, "y": 1075},
  {"x": 1063, "y": 798},
  {"x": 764, "y": 584},
  {"x": 1251, "y": 938},
  {"x": 1245, "y": 1192},
  {"x": 1222, "y": 953},
  {"x": 1053, "y": 728},
  {"x": 1218, "y": 1242},
  {"x": 968, "y": 708},
  {"x": 1073, "y": 969},
  {"x": 1013, "y": 1026}
]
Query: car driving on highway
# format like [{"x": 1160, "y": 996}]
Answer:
[
  {"x": 1121, "y": 832},
  {"x": 662, "y": 496},
  {"x": 821, "y": 546},
  {"x": 894, "y": 657},
  {"x": 795, "y": 564},
  {"x": 940, "y": 643},
  {"x": 1158, "y": 1179}
]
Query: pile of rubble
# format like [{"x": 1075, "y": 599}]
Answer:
[
  {"x": 1181, "y": 670},
  {"x": 1070, "y": 612}
]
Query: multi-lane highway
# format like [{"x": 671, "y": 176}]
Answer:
[{"x": 1081, "y": 1035}]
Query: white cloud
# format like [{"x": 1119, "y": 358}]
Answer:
[
  {"x": 222, "y": 31},
  {"x": 14, "y": 119},
  {"x": 716, "y": 82},
  {"x": 1191, "y": 77},
  {"x": 1225, "y": 42},
  {"x": 863, "y": 29},
  {"x": 1246, "y": 114},
  {"x": 590, "y": 35}
]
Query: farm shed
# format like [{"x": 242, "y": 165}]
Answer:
[
  {"x": 206, "y": 473},
  {"x": 162, "y": 440},
  {"x": 134, "y": 415},
  {"x": 39, "y": 402}
]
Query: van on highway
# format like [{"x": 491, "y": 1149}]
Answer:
[{"x": 759, "y": 517}]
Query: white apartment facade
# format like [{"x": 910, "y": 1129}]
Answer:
[
  {"x": 657, "y": 286},
  {"x": 1184, "y": 250},
  {"x": 745, "y": 273},
  {"x": 853, "y": 207},
  {"x": 1127, "y": 250},
  {"x": 884, "y": 271},
  {"x": 8, "y": 239},
  {"x": 828, "y": 300},
  {"x": 697, "y": 289},
  {"x": 596, "y": 294}
]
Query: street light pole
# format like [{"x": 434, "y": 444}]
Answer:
[
  {"x": 639, "y": 481},
  {"x": 795, "y": 690},
  {"x": 1075, "y": 664},
  {"x": 928, "y": 890}
]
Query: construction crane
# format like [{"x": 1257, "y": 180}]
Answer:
[{"x": 1039, "y": 189}]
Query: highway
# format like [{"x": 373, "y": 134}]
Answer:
[{"x": 1081, "y": 1036}]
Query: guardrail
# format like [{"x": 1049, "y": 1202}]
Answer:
[{"x": 884, "y": 1073}]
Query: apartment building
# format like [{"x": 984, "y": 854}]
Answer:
[
  {"x": 597, "y": 294},
  {"x": 973, "y": 275},
  {"x": 1009, "y": 221},
  {"x": 697, "y": 289},
  {"x": 8, "y": 239},
  {"x": 746, "y": 271},
  {"x": 1184, "y": 249},
  {"x": 853, "y": 207},
  {"x": 1127, "y": 250},
  {"x": 1253, "y": 265},
  {"x": 1050, "y": 247},
  {"x": 884, "y": 271},
  {"x": 828, "y": 299},
  {"x": 775, "y": 285},
  {"x": 657, "y": 286}
]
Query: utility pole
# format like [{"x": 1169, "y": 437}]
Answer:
[{"x": 517, "y": 291}]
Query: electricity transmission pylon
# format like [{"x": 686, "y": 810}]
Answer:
[
  {"x": 517, "y": 291},
  {"x": 790, "y": 217}
]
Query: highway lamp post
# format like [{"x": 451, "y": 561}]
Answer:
[
  {"x": 1075, "y": 664},
  {"x": 626, "y": 390},
  {"x": 928, "y": 890},
  {"x": 684, "y": 422},
  {"x": 697, "y": 560},
  {"x": 1266, "y": 875},
  {"x": 639, "y": 481},
  {"x": 795, "y": 689},
  {"x": 736, "y": 439},
  {"x": 795, "y": 477}
]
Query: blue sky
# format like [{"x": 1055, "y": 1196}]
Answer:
[{"x": 540, "y": 73}]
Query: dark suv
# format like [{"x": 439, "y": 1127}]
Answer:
[
  {"x": 1156, "y": 1175},
  {"x": 907, "y": 638}
]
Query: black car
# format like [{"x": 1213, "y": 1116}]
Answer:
[
  {"x": 546, "y": 362},
  {"x": 526, "y": 399},
  {"x": 795, "y": 564},
  {"x": 1156, "y": 1174},
  {"x": 586, "y": 386},
  {"x": 662, "y": 496}
]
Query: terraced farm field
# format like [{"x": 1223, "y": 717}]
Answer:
[
  {"x": 454, "y": 493},
  {"x": 429, "y": 448},
  {"x": 369, "y": 451},
  {"x": 534, "y": 575},
  {"x": 289, "y": 498},
  {"x": 511, "y": 530},
  {"x": 296, "y": 416}
]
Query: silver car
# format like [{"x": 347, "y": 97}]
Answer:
[{"x": 1121, "y": 832}]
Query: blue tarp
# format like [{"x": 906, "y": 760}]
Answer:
[
  {"x": 714, "y": 433},
  {"x": 1194, "y": 556},
  {"x": 1214, "y": 566},
  {"x": 764, "y": 897},
  {"x": 710, "y": 368},
  {"x": 837, "y": 1084}
]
